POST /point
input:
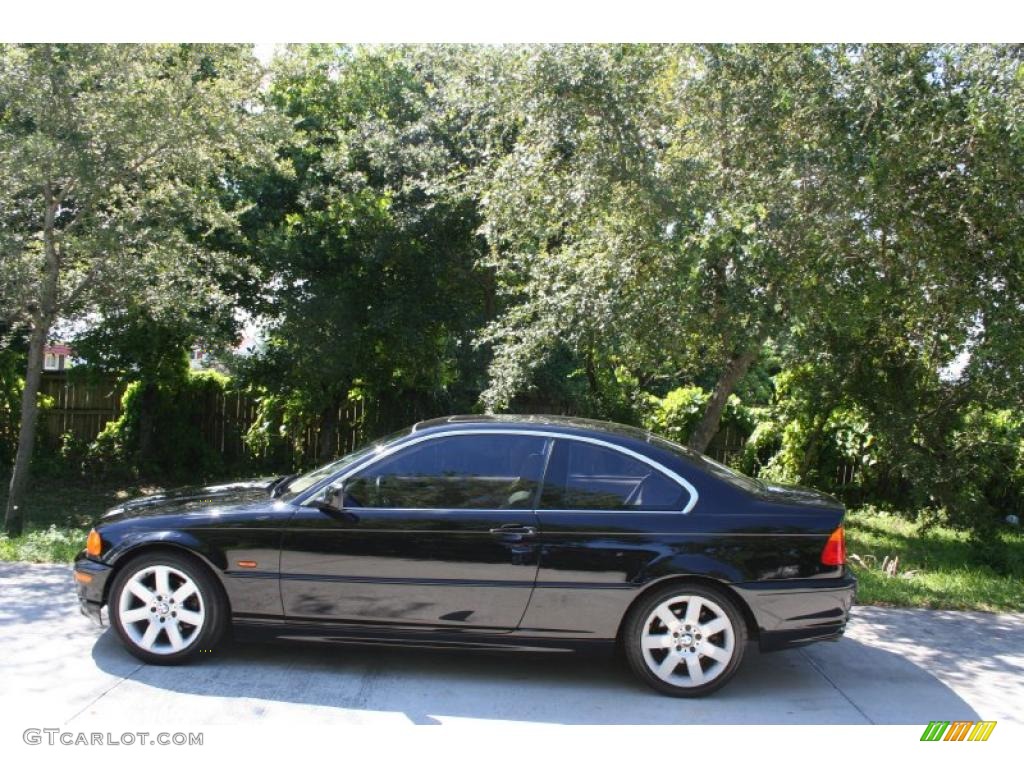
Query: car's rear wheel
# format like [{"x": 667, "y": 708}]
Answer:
[
  {"x": 167, "y": 608},
  {"x": 685, "y": 639}
]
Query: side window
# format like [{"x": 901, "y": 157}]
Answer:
[
  {"x": 457, "y": 472},
  {"x": 586, "y": 476}
]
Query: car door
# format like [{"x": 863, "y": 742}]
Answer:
[
  {"x": 605, "y": 515},
  {"x": 439, "y": 533}
]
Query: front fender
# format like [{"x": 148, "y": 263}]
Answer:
[
  {"x": 132, "y": 543},
  {"x": 247, "y": 593},
  {"x": 128, "y": 546}
]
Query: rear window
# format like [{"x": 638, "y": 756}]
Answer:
[
  {"x": 719, "y": 470},
  {"x": 583, "y": 476}
]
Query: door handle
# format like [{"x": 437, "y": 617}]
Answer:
[{"x": 514, "y": 530}]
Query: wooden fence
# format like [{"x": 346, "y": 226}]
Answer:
[
  {"x": 84, "y": 408},
  {"x": 349, "y": 435},
  {"x": 726, "y": 445},
  {"x": 225, "y": 417},
  {"x": 81, "y": 408}
]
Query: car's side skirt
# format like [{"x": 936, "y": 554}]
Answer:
[{"x": 262, "y": 630}]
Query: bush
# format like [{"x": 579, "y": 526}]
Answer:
[
  {"x": 959, "y": 468},
  {"x": 278, "y": 432},
  {"x": 675, "y": 415},
  {"x": 281, "y": 432},
  {"x": 11, "y": 384},
  {"x": 161, "y": 430},
  {"x": 50, "y": 545},
  {"x": 980, "y": 477}
]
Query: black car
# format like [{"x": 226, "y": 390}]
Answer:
[{"x": 517, "y": 533}]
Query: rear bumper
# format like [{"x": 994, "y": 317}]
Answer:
[
  {"x": 90, "y": 583},
  {"x": 793, "y": 613}
]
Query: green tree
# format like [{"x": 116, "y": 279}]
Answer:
[
  {"x": 130, "y": 344},
  {"x": 924, "y": 323},
  {"x": 662, "y": 209},
  {"x": 109, "y": 158},
  {"x": 364, "y": 240}
]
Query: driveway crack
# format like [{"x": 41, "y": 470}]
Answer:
[
  {"x": 108, "y": 690},
  {"x": 840, "y": 691}
]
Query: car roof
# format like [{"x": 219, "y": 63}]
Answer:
[
  {"x": 670, "y": 454},
  {"x": 567, "y": 424}
]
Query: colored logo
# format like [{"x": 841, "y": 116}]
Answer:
[{"x": 958, "y": 730}]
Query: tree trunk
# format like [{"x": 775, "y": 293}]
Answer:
[
  {"x": 733, "y": 372},
  {"x": 14, "y": 520},
  {"x": 328, "y": 431},
  {"x": 42, "y": 321}
]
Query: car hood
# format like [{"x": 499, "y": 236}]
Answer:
[{"x": 192, "y": 499}]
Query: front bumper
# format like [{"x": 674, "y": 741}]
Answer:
[
  {"x": 793, "y": 613},
  {"x": 91, "y": 583}
]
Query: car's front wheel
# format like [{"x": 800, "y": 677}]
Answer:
[
  {"x": 166, "y": 608},
  {"x": 685, "y": 639}
]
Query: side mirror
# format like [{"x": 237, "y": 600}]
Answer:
[{"x": 333, "y": 503}]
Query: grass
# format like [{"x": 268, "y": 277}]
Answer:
[
  {"x": 58, "y": 515},
  {"x": 938, "y": 567}
]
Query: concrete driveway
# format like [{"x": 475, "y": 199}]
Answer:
[{"x": 894, "y": 666}]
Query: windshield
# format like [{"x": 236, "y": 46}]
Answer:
[
  {"x": 305, "y": 482},
  {"x": 719, "y": 470}
]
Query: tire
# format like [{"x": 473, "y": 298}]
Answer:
[
  {"x": 167, "y": 628},
  {"x": 705, "y": 660}
]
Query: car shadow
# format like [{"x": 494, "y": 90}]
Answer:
[{"x": 434, "y": 686}]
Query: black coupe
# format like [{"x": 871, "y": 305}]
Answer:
[{"x": 509, "y": 532}]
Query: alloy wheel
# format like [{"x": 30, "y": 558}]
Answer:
[
  {"x": 161, "y": 609},
  {"x": 688, "y": 641}
]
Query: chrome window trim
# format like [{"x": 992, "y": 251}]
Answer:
[{"x": 552, "y": 436}]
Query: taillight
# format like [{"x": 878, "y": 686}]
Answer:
[
  {"x": 93, "y": 544},
  {"x": 834, "y": 552}
]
